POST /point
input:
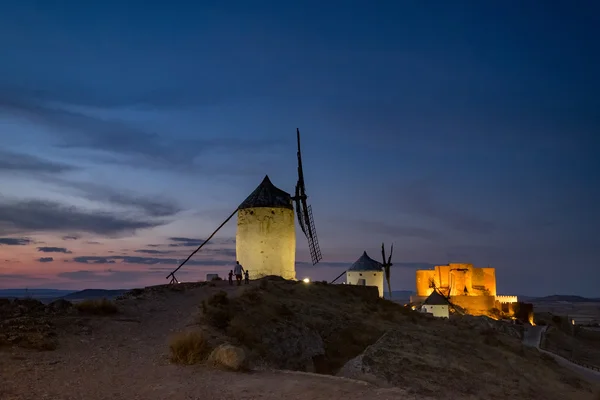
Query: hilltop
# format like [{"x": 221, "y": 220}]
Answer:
[
  {"x": 334, "y": 331},
  {"x": 565, "y": 298}
]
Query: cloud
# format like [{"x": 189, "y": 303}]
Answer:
[
  {"x": 70, "y": 237},
  {"x": 106, "y": 276},
  {"x": 151, "y": 207},
  {"x": 389, "y": 229},
  {"x": 146, "y": 251},
  {"x": 192, "y": 242},
  {"x": 45, "y": 259},
  {"x": 74, "y": 129},
  {"x": 18, "y": 162},
  {"x": 14, "y": 241},
  {"x": 46, "y": 216},
  {"x": 54, "y": 250},
  {"x": 28, "y": 278},
  {"x": 146, "y": 260},
  {"x": 111, "y": 275},
  {"x": 419, "y": 198}
]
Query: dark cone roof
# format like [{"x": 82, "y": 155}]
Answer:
[
  {"x": 267, "y": 195},
  {"x": 366, "y": 263},
  {"x": 436, "y": 299}
]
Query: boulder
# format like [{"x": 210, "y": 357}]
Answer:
[
  {"x": 228, "y": 356},
  {"x": 292, "y": 346},
  {"x": 59, "y": 305}
]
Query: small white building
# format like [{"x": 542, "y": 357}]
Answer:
[
  {"x": 366, "y": 272},
  {"x": 212, "y": 277},
  {"x": 437, "y": 305}
]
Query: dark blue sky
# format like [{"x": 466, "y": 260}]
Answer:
[{"x": 461, "y": 131}]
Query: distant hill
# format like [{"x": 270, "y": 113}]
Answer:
[
  {"x": 567, "y": 298},
  {"x": 94, "y": 294},
  {"x": 39, "y": 294},
  {"x": 402, "y": 293}
]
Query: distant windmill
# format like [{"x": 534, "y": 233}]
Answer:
[
  {"x": 266, "y": 233},
  {"x": 387, "y": 265}
]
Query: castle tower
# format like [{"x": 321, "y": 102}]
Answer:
[
  {"x": 367, "y": 272},
  {"x": 266, "y": 234}
]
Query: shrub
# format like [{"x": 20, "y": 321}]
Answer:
[
  {"x": 216, "y": 310},
  {"x": 188, "y": 347},
  {"x": 97, "y": 307}
]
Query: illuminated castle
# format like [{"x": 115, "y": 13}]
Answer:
[
  {"x": 473, "y": 289},
  {"x": 266, "y": 234}
]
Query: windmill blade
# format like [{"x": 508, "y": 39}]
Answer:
[
  {"x": 391, "y": 252},
  {"x": 304, "y": 211},
  {"x": 313, "y": 241},
  {"x": 383, "y": 253},
  {"x": 300, "y": 216}
]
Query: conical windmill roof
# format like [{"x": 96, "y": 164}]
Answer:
[
  {"x": 366, "y": 263},
  {"x": 267, "y": 195},
  {"x": 436, "y": 299}
]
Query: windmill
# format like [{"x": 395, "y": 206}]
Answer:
[
  {"x": 304, "y": 211},
  {"x": 266, "y": 233},
  {"x": 387, "y": 265}
]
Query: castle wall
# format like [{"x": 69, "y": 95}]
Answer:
[
  {"x": 423, "y": 278},
  {"x": 475, "y": 305},
  {"x": 489, "y": 280},
  {"x": 372, "y": 278},
  {"x": 266, "y": 241}
]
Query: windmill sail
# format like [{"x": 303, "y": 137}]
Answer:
[{"x": 304, "y": 212}]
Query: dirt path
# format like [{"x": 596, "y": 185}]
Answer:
[{"x": 126, "y": 357}]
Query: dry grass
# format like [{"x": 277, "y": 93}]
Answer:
[
  {"x": 276, "y": 319},
  {"x": 97, "y": 307},
  {"x": 583, "y": 347},
  {"x": 257, "y": 318},
  {"x": 189, "y": 347}
]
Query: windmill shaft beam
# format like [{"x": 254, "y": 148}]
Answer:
[{"x": 172, "y": 274}]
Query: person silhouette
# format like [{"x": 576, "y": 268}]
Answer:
[
  {"x": 247, "y": 277},
  {"x": 231, "y": 277},
  {"x": 238, "y": 270}
]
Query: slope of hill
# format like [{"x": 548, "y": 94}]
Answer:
[
  {"x": 326, "y": 328},
  {"x": 306, "y": 327},
  {"x": 89, "y": 294}
]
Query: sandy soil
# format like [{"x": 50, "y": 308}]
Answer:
[{"x": 126, "y": 357}]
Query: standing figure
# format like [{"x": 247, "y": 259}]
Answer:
[
  {"x": 231, "y": 277},
  {"x": 247, "y": 277},
  {"x": 238, "y": 270}
]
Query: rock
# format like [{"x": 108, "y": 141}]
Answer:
[
  {"x": 229, "y": 356},
  {"x": 59, "y": 305},
  {"x": 292, "y": 346}
]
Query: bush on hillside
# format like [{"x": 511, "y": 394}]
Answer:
[
  {"x": 292, "y": 324},
  {"x": 189, "y": 347},
  {"x": 97, "y": 307}
]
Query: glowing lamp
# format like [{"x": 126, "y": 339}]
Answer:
[{"x": 306, "y": 280}]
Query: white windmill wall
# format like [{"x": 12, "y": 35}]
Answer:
[
  {"x": 266, "y": 241},
  {"x": 372, "y": 278},
  {"x": 438, "y": 310}
]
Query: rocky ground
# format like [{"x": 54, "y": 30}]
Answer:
[{"x": 56, "y": 352}]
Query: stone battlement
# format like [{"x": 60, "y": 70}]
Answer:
[{"x": 507, "y": 299}]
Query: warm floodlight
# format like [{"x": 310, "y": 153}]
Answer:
[{"x": 306, "y": 280}]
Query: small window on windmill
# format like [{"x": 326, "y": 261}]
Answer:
[
  {"x": 361, "y": 282},
  {"x": 359, "y": 274}
]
